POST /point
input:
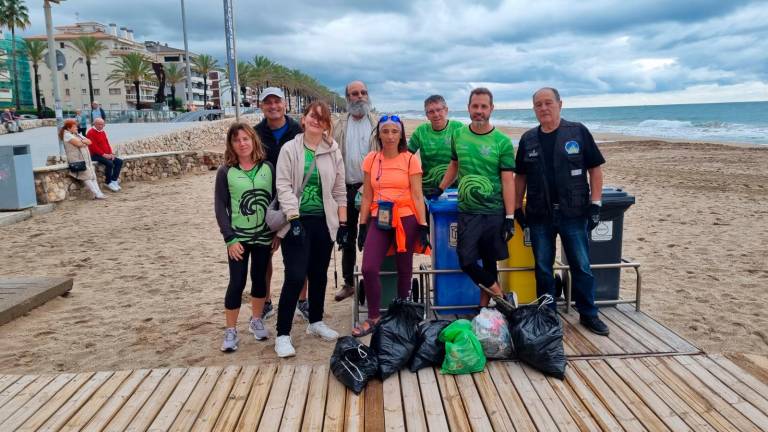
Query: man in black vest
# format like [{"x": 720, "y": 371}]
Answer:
[{"x": 552, "y": 164}]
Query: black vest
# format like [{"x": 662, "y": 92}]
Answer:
[{"x": 569, "y": 171}]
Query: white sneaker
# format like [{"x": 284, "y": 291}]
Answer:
[
  {"x": 100, "y": 196},
  {"x": 113, "y": 186},
  {"x": 283, "y": 347},
  {"x": 256, "y": 326},
  {"x": 230, "y": 340},
  {"x": 323, "y": 331}
]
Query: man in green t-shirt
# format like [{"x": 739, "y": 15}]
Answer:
[
  {"x": 484, "y": 159},
  {"x": 433, "y": 142}
]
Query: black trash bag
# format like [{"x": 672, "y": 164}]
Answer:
[
  {"x": 394, "y": 338},
  {"x": 429, "y": 350},
  {"x": 537, "y": 335},
  {"x": 353, "y": 363}
]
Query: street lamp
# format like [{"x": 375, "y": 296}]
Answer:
[
  {"x": 186, "y": 53},
  {"x": 54, "y": 70}
]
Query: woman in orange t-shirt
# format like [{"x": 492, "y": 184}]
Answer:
[{"x": 393, "y": 203}]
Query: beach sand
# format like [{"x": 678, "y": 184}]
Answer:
[{"x": 150, "y": 266}]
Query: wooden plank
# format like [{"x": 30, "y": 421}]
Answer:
[
  {"x": 230, "y": 413},
  {"x": 254, "y": 406},
  {"x": 742, "y": 374},
  {"x": 536, "y": 408},
  {"x": 116, "y": 401},
  {"x": 297, "y": 396},
  {"x": 511, "y": 400},
  {"x": 33, "y": 293},
  {"x": 7, "y": 380},
  {"x": 591, "y": 401},
  {"x": 210, "y": 411},
  {"x": 23, "y": 396},
  {"x": 668, "y": 336},
  {"x": 667, "y": 394},
  {"x": 393, "y": 404},
  {"x": 354, "y": 413},
  {"x": 157, "y": 399},
  {"x": 724, "y": 392},
  {"x": 413, "y": 409},
  {"x": 760, "y": 361},
  {"x": 273, "y": 410},
  {"x": 433, "y": 405},
  {"x": 95, "y": 402},
  {"x": 336, "y": 405},
  {"x": 580, "y": 415},
  {"x": 608, "y": 397},
  {"x": 603, "y": 344},
  {"x": 374, "y": 406},
  {"x": 733, "y": 383},
  {"x": 454, "y": 407},
  {"x": 626, "y": 340},
  {"x": 639, "y": 409},
  {"x": 123, "y": 417},
  {"x": 751, "y": 365},
  {"x": 168, "y": 404},
  {"x": 581, "y": 346},
  {"x": 42, "y": 414},
  {"x": 58, "y": 419},
  {"x": 497, "y": 414},
  {"x": 648, "y": 395},
  {"x": 314, "y": 412},
  {"x": 476, "y": 414},
  {"x": 194, "y": 404},
  {"x": 637, "y": 331},
  {"x": 549, "y": 398},
  {"x": 12, "y": 390},
  {"x": 691, "y": 397},
  {"x": 13, "y": 422}
]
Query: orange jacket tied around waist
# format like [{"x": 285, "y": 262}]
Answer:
[{"x": 397, "y": 225}]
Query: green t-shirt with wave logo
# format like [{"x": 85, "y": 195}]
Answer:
[
  {"x": 435, "y": 152},
  {"x": 481, "y": 159},
  {"x": 312, "y": 195}
]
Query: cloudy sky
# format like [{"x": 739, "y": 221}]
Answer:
[{"x": 598, "y": 52}]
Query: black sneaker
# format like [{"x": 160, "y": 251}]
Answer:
[
  {"x": 268, "y": 311},
  {"x": 302, "y": 309},
  {"x": 594, "y": 324}
]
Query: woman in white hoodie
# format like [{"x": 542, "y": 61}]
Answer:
[
  {"x": 78, "y": 157},
  {"x": 312, "y": 195}
]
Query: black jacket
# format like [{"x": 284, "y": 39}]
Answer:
[{"x": 268, "y": 140}]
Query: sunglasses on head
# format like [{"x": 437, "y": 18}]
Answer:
[{"x": 386, "y": 118}]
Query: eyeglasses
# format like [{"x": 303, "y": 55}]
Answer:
[
  {"x": 359, "y": 93},
  {"x": 436, "y": 111},
  {"x": 386, "y": 118}
]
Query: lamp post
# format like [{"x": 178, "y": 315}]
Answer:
[
  {"x": 229, "y": 30},
  {"x": 186, "y": 53},
  {"x": 52, "y": 66}
]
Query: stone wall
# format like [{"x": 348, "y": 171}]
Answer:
[
  {"x": 53, "y": 183},
  {"x": 31, "y": 124}
]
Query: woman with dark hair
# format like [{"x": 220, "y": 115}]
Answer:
[
  {"x": 394, "y": 204},
  {"x": 79, "y": 158},
  {"x": 244, "y": 189},
  {"x": 312, "y": 195}
]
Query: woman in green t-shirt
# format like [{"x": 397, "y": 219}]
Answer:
[{"x": 244, "y": 189}]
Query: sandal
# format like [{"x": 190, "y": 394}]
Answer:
[{"x": 363, "y": 330}]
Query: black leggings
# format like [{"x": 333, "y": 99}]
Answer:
[
  {"x": 487, "y": 275},
  {"x": 305, "y": 260},
  {"x": 238, "y": 272}
]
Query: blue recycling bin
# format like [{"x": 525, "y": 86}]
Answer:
[
  {"x": 17, "y": 181},
  {"x": 449, "y": 289}
]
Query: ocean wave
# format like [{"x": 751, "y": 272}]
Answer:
[{"x": 665, "y": 124}]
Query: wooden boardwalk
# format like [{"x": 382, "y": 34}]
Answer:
[{"x": 20, "y": 295}]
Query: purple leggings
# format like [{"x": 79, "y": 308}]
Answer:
[{"x": 377, "y": 243}]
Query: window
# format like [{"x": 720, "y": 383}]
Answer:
[
  {"x": 66, "y": 77},
  {"x": 95, "y": 76},
  {"x": 114, "y": 92},
  {"x": 96, "y": 92},
  {"x": 66, "y": 92},
  {"x": 171, "y": 58},
  {"x": 82, "y": 76},
  {"x": 61, "y": 45},
  {"x": 83, "y": 91}
]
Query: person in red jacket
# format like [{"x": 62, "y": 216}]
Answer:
[{"x": 101, "y": 152}]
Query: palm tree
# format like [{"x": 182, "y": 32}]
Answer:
[
  {"x": 203, "y": 64},
  {"x": 244, "y": 76},
  {"x": 173, "y": 76},
  {"x": 90, "y": 48},
  {"x": 36, "y": 53},
  {"x": 133, "y": 67},
  {"x": 14, "y": 14},
  {"x": 263, "y": 72}
]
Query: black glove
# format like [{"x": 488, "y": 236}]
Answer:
[
  {"x": 594, "y": 217},
  {"x": 509, "y": 229},
  {"x": 520, "y": 217},
  {"x": 424, "y": 236},
  {"x": 434, "y": 194},
  {"x": 342, "y": 235},
  {"x": 361, "y": 232},
  {"x": 297, "y": 232}
]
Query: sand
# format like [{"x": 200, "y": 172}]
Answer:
[{"x": 150, "y": 267}]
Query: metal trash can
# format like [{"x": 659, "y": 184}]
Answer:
[
  {"x": 17, "y": 182},
  {"x": 605, "y": 242},
  {"x": 451, "y": 288}
]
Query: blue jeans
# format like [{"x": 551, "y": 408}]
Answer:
[
  {"x": 573, "y": 234},
  {"x": 111, "y": 167}
]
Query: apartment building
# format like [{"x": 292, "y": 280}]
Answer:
[
  {"x": 169, "y": 55},
  {"x": 22, "y": 71}
]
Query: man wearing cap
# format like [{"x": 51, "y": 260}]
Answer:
[
  {"x": 353, "y": 131},
  {"x": 558, "y": 164},
  {"x": 274, "y": 130}
]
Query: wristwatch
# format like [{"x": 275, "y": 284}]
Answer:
[{"x": 598, "y": 203}]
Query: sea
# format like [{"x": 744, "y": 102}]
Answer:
[{"x": 732, "y": 122}]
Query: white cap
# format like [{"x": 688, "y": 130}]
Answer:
[{"x": 271, "y": 91}]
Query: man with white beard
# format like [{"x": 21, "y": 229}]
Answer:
[{"x": 353, "y": 131}]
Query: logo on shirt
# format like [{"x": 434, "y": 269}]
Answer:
[
  {"x": 572, "y": 147},
  {"x": 485, "y": 151}
]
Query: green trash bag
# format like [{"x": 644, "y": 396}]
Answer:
[{"x": 463, "y": 352}]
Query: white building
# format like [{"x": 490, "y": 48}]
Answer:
[{"x": 164, "y": 54}]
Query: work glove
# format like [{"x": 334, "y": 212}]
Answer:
[
  {"x": 342, "y": 235},
  {"x": 594, "y": 217},
  {"x": 509, "y": 229},
  {"x": 434, "y": 194},
  {"x": 424, "y": 236},
  {"x": 361, "y": 232},
  {"x": 297, "y": 232},
  {"x": 520, "y": 217}
]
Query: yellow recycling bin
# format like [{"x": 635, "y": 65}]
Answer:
[{"x": 520, "y": 255}]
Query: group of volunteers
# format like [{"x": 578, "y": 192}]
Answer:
[{"x": 353, "y": 180}]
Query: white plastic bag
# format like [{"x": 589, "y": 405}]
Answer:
[{"x": 492, "y": 331}]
